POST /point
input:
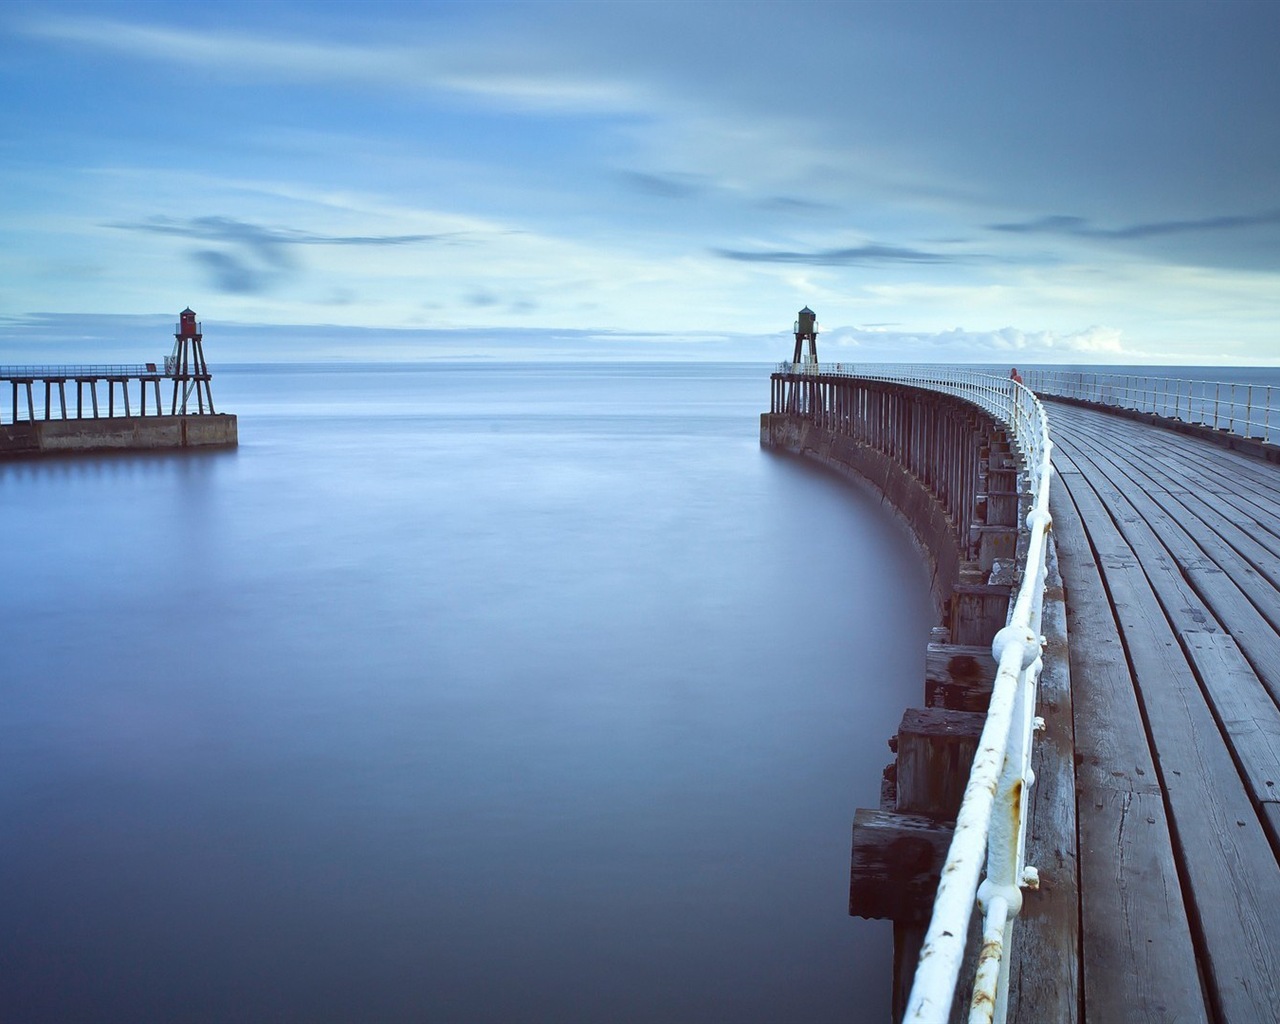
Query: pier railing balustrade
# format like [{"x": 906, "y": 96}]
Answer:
[
  {"x": 72, "y": 372},
  {"x": 27, "y": 403},
  {"x": 990, "y": 830},
  {"x": 1247, "y": 410}
]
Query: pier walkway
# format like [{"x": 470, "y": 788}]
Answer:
[{"x": 1169, "y": 550}]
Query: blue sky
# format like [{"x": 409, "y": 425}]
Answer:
[{"x": 1033, "y": 182}]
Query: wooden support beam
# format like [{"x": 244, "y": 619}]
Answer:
[
  {"x": 1002, "y": 507},
  {"x": 958, "y": 677},
  {"x": 935, "y": 753},
  {"x": 993, "y": 542},
  {"x": 889, "y": 787},
  {"x": 978, "y": 612},
  {"x": 1003, "y": 477},
  {"x": 897, "y": 860}
]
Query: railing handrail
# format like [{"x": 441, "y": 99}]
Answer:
[
  {"x": 866, "y": 370},
  {"x": 1237, "y": 407},
  {"x": 99, "y": 370},
  {"x": 1001, "y": 773}
]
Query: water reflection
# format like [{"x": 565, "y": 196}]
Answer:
[{"x": 435, "y": 716}]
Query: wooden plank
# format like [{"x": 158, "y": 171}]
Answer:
[
  {"x": 1196, "y": 594},
  {"x": 1044, "y": 969},
  {"x": 1239, "y": 467},
  {"x": 1138, "y": 958},
  {"x": 1246, "y": 712},
  {"x": 1203, "y": 467},
  {"x": 1236, "y": 509},
  {"x": 1223, "y": 850},
  {"x": 1254, "y": 576},
  {"x": 1062, "y": 461},
  {"x": 1194, "y": 484},
  {"x": 1132, "y": 540},
  {"x": 1242, "y": 532},
  {"x": 1271, "y": 818},
  {"x": 1187, "y": 466}
]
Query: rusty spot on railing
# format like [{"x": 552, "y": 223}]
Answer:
[{"x": 1015, "y": 805}]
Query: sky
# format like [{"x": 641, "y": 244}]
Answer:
[{"x": 942, "y": 182}]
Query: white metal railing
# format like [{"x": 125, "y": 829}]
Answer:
[
  {"x": 71, "y": 372},
  {"x": 1248, "y": 410},
  {"x": 990, "y": 828}
]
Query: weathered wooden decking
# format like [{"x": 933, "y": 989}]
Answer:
[{"x": 1169, "y": 549}]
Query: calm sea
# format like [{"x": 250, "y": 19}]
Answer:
[{"x": 456, "y": 693}]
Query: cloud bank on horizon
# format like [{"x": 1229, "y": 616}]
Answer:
[{"x": 1064, "y": 182}]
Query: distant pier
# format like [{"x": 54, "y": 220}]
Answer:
[{"x": 95, "y": 408}]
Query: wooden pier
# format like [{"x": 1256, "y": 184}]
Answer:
[
  {"x": 1154, "y": 817},
  {"x": 949, "y": 470},
  {"x": 40, "y": 392},
  {"x": 41, "y": 418}
]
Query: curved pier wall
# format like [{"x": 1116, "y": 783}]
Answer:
[
  {"x": 910, "y": 499},
  {"x": 947, "y": 469},
  {"x": 117, "y": 433},
  {"x": 944, "y": 465}
]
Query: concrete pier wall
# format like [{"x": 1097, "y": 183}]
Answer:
[
  {"x": 117, "y": 433},
  {"x": 910, "y": 499},
  {"x": 946, "y": 468}
]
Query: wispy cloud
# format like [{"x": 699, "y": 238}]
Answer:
[
  {"x": 793, "y": 204},
  {"x": 1079, "y": 227},
  {"x": 513, "y": 78},
  {"x": 876, "y": 342},
  {"x": 255, "y": 258},
  {"x": 664, "y": 186},
  {"x": 228, "y": 229},
  {"x": 364, "y": 159},
  {"x": 858, "y": 255},
  {"x": 235, "y": 275}
]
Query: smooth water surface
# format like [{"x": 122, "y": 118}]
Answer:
[{"x": 456, "y": 693}]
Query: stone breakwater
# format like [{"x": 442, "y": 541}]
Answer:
[{"x": 117, "y": 433}]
